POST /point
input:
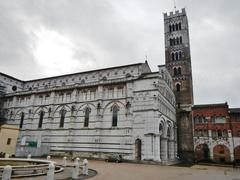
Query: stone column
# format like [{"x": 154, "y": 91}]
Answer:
[
  {"x": 52, "y": 98},
  {"x": 99, "y": 92},
  {"x": 64, "y": 161},
  {"x": 75, "y": 172},
  {"x": 74, "y": 95},
  {"x": 64, "y": 97},
  {"x": 171, "y": 149},
  {"x": 157, "y": 148},
  {"x": 231, "y": 145},
  {"x": 211, "y": 149},
  {"x": 85, "y": 167},
  {"x": 7, "y": 172},
  {"x": 164, "y": 149},
  {"x": 14, "y": 101},
  {"x": 115, "y": 93},
  {"x": 88, "y": 95},
  {"x": 29, "y": 156},
  {"x": 175, "y": 149},
  {"x": 50, "y": 173}
]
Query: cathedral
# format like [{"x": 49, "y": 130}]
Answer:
[{"x": 127, "y": 110}]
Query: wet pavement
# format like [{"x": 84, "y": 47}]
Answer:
[{"x": 131, "y": 171}]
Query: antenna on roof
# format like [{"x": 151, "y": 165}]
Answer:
[{"x": 174, "y": 2}]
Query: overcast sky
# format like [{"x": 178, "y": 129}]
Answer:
[{"x": 41, "y": 38}]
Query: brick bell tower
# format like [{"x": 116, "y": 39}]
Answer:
[{"x": 178, "y": 63}]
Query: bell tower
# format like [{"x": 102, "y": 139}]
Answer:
[{"x": 178, "y": 63}]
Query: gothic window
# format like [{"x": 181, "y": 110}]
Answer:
[
  {"x": 176, "y": 27},
  {"x": 173, "y": 27},
  {"x": 178, "y": 87},
  {"x": 86, "y": 118},
  {"x": 176, "y": 54},
  {"x": 180, "y": 55},
  {"x": 179, "y": 26},
  {"x": 175, "y": 71},
  {"x": 219, "y": 133},
  {"x": 21, "y": 121},
  {"x": 170, "y": 28},
  {"x": 160, "y": 128},
  {"x": 196, "y": 121},
  {"x": 213, "y": 119},
  {"x": 174, "y": 41},
  {"x": 115, "y": 110},
  {"x": 171, "y": 43},
  {"x": 214, "y": 134},
  {"x": 62, "y": 117},
  {"x": 180, "y": 40},
  {"x": 179, "y": 71},
  {"x": 172, "y": 56},
  {"x": 40, "y": 119},
  {"x": 225, "y": 133}
]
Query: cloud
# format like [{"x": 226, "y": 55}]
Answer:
[{"x": 84, "y": 35}]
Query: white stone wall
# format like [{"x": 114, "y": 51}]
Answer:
[{"x": 145, "y": 102}]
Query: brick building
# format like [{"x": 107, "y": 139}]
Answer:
[{"x": 216, "y": 132}]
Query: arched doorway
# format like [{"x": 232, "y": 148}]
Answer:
[
  {"x": 221, "y": 154},
  {"x": 138, "y": 149},
  {"x": 237, "y": 153},
  {"x": 202, "y": 152}
]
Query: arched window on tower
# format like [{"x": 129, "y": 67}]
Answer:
[
  {"x": 40, "y": 119},
  {"x": 62, "y": 117},
  {"x": 176, "y": 55},
  {"x": 115, "y": 110},
  {"x": 176, "y": 27},
  {"x": 21, "y": 121},
  {"x": 170, "y": 28},
  {"x": 180, "y": 55},
  {"x": 172, "y": 56},
  {"x": 180, "y": 40},
  {"x": 175, "y": 71},
  {"x": 86, "y": 118},
  {"x": 173, "y": 27},
  {"x": 179, "y": 71},
  {"x": 173, "y": 41},
  {"x": 177, "y": 40},
  {"x": 178, "y": 87},
  {"x": 180, "y": 26},
  {"x": 170, "y": 42}
]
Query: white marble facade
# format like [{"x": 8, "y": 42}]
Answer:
[{"x": 128, "y": 110}]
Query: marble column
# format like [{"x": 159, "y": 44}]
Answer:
[
  {"x": 171, "y": 149},
  {"x": 164, "y": 149},
  {"x": 157, "y": 148}
]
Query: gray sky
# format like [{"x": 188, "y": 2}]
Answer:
[{"x": 41, "y": 38}]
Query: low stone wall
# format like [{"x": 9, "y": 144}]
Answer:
[{"x": 34, "y": 151}]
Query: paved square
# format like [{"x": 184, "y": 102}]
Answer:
[{"x": 131, "y": 171}]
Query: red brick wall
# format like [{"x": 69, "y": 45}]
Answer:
[
  {"x": 209, "y": 111},
  {"x": 235, "y": 123}
]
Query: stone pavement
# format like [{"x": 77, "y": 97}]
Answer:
[{"x": 130, "y": 171}]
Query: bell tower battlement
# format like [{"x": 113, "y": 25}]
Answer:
[
  {"x": 178, "y": 63},
  {"x": 178, "y": 56}
]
